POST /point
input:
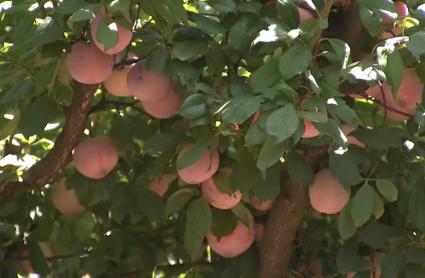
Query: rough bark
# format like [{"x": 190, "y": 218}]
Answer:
[
  {"x": 60, "y": 155},
  {"x": 286, "y": 215}
]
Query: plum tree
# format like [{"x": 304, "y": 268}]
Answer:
[
  {"x": 233, "y": 244},
  {"x": 116, "y": 83},
  {"x": 87, "y": 64},
  {"x": 124, "y": 35},
  {"x": 217, "y": 198},
  {"x": 264, "y": 90},
  {"x": 66, "y": 200},
  {"x": 95, "y": 157},
  {"x": 202, "y": 169},
  {"x": 160, "y": 185},
  {"x": 327, "y": 195},
  {"x": 165, "y": 107},
  {"x": 148, "y": 85}
]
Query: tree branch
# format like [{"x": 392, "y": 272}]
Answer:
[
  {"x": 60, "y": 155},
  {"x": 286, "y": 215}
]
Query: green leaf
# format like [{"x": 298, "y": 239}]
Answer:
[
  {"x": 190, "y": 49},
  {"x": 16, "y": 93},
  {"x": 192, "y": 154},
  {"x": 346, "y": 227},
  {"x": 340, "y": 110},
  {"x": 36, "y": 116},
  {"x": 265, "y": 76},
  {"x": 37, "y": 259},
  {"x": 208, "y": 24},
  {"x": 391, "y": 264},
  {"x": 270, "y": 153},
  {"x": 198, "y": 223},
  {"x": 298, "y": 169},
  {"x": 178, "y": 200},
  {"x": 416, "y": 43},
  {"x": 239, "y": 109},
  {"x": 377, "y": 235},
  {"x": 345, "y": 167},
  {"x": 243, "y": 213},
  {"x": 80, "y": 15},
  {"x": 151, "y": 205},
  {"x": 282, "y": 123},
  {"x": 107, "y": 33},
  {"x": 417, "y": 207},
  {"x": 394, "y": 70},
  {"x": 255, "y": 135},
  {"x": 348, "y": 259},
  {"x": 362, "y": 205},
  {"x": 225, "y": 6},
  {"x": 415, "y": 255},
  {"x": 193, "y": 107},
  {"x": 380, "y": 138},
  {"x": 294, "y": 61},
  {"x": 244, "y": 31},
  {"x": 387, "y": 189},
  {"x": 224, "y": 222},
  {"x": 378, "y": 205}
]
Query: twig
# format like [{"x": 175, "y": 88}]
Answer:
[
  {"x": 385, "y": 102},
  {"x": 323, "y": 14},
  {"x": 126, "y": 62}
]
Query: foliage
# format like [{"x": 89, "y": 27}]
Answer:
[{"x": 229, "y": 59}]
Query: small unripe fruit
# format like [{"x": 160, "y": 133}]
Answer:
[
  {"x": 309, "y": 130},
  {"x": 160, "y": 185},
  {"x": 165, "y": 107},
  {"x": 261, "y": 205},
  {"x": 65, "y": 200},
  {"x": 87, "y": 64},
  {"x": 202, "y": 169},
  {"x": 147, "y": 85},
  {"x": 327, "y": 195},
  {"x": 95, "y": 157},
  {"x": 124, "y": 36},
  {"x": 116, "y": 84},
  {"x": 304, "y": 14},
  {"x": 219, "y": 199},
  {"x": 233, "y": 244}
]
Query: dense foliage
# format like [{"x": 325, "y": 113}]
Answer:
[{"x": 257, "y": 86}]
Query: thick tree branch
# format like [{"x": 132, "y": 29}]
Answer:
[
  {"x": 286, "y": 215},
  {"x": 60, "y": 155}
]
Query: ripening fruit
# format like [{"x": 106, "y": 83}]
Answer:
[
  {"x": 95, "y": 157},
  {"x": 124, "y": 36},
  {"x": 217, "y": 198},
  {"x": 164, "y": 108},
  {"x": 116, "y": 84},
  {"x": 203, "y": 169},
  {"x": 261, "y": 205},
  {"x": 309, "y": 130},
  {"x": 147, "y": 85},
  {"x": 408, "y": 96},
  {"x": 233, "y": 244},
  {"x": 160, "y": 185},
  {"x": 87, "y": 64},
  {"x": 327, "y": 195},
  {"x": 65, "y": 200},
  {"x": 401, "y": 8},
  {"x": 347, "y": 129},
  {"x": 304, "y": 14}
]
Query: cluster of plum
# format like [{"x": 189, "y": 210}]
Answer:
[{"x": 91, "y": 63}]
